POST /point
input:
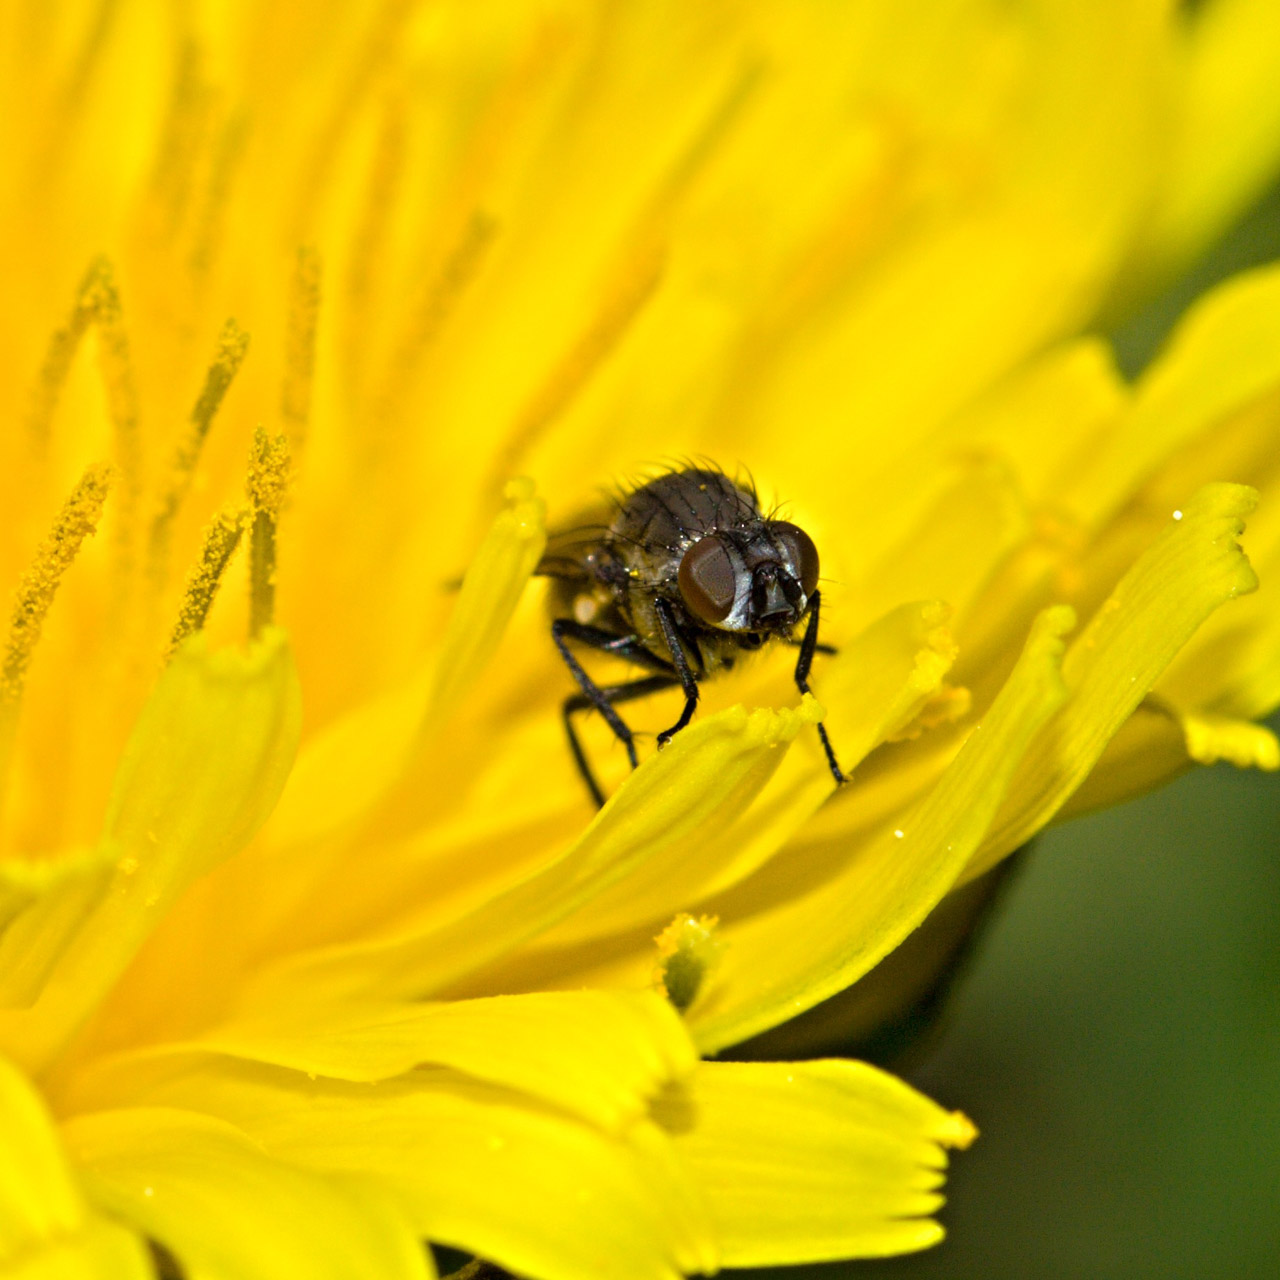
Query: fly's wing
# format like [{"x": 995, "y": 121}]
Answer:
[{"x": 568, "y": 550}]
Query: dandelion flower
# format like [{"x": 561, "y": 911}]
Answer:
[{"x": 312, "y": 946}]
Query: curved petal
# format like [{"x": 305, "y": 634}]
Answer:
[
  {"x": 47, "y": 1232},
  {"x": 203, "y": 769},
  {"x": 1223, "y": 356},
  {"x": 42, "y": 904},
  {"x": 1194, "y": 567},
  {"x": 873, "y": 689},
  {"x": 818, "y": 918},
  {"x": 600, "y": 1055},
  {"x": 810, "y": 1161},
  {"x": 347, "y": 768},
  {"x": 1228, "y": 147},
  {"x": 475, "y": 1166},
  {"x": 675, "y": 801},
  {"x": 227, "y": 1211}
]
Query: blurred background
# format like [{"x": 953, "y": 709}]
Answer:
[{"x": 1116, "y": 1036}]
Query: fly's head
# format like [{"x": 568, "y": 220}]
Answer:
[{"x": 752, "y": 582}]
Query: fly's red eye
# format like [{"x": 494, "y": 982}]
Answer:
[
  {"x": 707, "y": 580},
  {"x": 800, "y": 551}
]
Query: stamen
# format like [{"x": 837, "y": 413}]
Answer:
[
  {"x": 435, "y": 307},
  {"x": 368, "y": 246},
  {"x": 689, "y": 949},
  {"x": 75, "y": 522},
  {"x": 300, "y": 347},
  {"x": 61, "y": 352},
  {"x": 232, "y": 345},
  {"x": 116, "y": 368},
  {"x": 598, "y": 341},
  {"x": 380, "y": 42},
  {"x": 98, "y": 303},
  {"x": 220, "y": 542},
  {"x": 63, "y": 115},
  {"x": 268, "y": 482},
  {"x": 227, "y": 152},
  {"x": 90, "y": 54},
  {"x": 710, "y": 137},
  {"x": 182, "y": 144}
]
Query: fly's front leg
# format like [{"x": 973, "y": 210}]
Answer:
[
  {"x": 688, "y": 681},
  {"x": 808, "y": 647}
]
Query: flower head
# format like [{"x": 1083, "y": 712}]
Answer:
[{"x": 313, "y": 946}]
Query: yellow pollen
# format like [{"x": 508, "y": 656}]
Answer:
[
  {"x": 97, "y": 302},
  {"x": 689, "y": 948},
  {"x": 220, "y": 542},
  {"x": 300, "y": 347},
  {"x": 75, "y": 522},
  {"x": 232, "y": 345},
  {"x": 117, "y": 369},
  {"x": 268, "y": 483},
  {"x": 57, "y": 361}
]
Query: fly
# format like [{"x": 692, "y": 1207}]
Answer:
[{"x": 687, "y": 575}]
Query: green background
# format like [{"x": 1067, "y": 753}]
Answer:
[{"x": 1117, "y": 1037}]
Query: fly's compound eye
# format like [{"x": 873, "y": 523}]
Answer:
[
  {"x": 708, "y": 580},
  {"x": 801, "y": 552}
]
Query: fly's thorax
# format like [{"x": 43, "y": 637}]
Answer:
[{"x": 676, "y": 509}]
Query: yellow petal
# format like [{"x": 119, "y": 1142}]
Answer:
[
  {"x": 348, "y": 767},
  {"x": 598, "y": 1055},
  {"x": 678, "y": 799},
  {"x": 1232, "y": 665},
  {"x": 1073, "y": 393},
  {"x": 963, "y": 533},
  {"x": 204, "y": 767},
  {"x": 1228, "y": 146},
  {"x": 476, "y": 1166},
  {"x": 808, "y": 1161},
  {"x": 817, "y": 918},
  {"x": 1195, "y": 566},
  {"x": 212, "y": 1197},
  {"x": 47, "y": 1232},
  {"x": 1223, "y": 357},
  {"x": 1212, "y": 738},
  {"x": 876, "y": 685},
  {"x": 1149, "y": 748},
  {"x": 42, "y": 902}
]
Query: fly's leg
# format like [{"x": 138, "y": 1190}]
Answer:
[
  {"x": 612, "y": 693},
  {"x": 627, "y": 647},
  {"x": 808, "y": 647},
  {"x": 828, "y": 649},
  {"x": 688, "y": 681}
]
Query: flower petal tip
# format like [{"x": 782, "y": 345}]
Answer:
[
  {"x": 1211, "y": 738},
  {"x": 526, "y": 511},
  {"x": 957, "y": 1131}
]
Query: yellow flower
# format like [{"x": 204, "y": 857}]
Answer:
[{"x": 292, "y": 1016}]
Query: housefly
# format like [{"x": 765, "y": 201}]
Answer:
[{"x": 681, "y": 578}]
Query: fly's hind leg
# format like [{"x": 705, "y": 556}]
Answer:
[
  {"x": 808, "y": 647},
  {"x": 602, "y": 698},
  {"x": 612, "y": 693}
]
